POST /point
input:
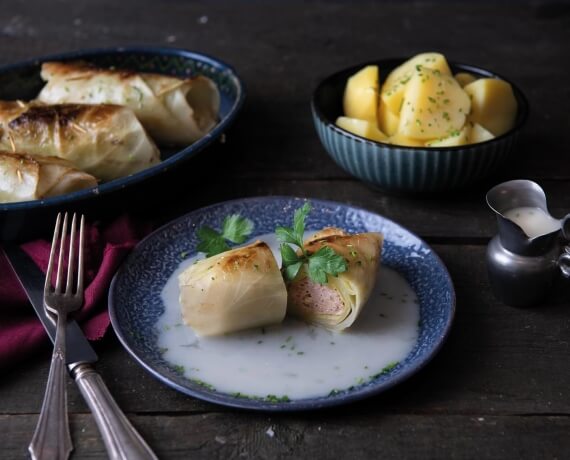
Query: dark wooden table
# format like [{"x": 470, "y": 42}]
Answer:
[{"x": 500, "y": 387}]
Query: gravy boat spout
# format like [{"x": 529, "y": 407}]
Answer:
[{"x": 525, "y": 195}]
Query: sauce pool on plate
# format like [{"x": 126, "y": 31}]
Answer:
[{"x": 294, "y": 360}]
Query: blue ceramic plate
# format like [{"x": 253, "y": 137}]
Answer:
[
  {"x": 23, "y": 81},
  {"x": 135, "y": 303}
]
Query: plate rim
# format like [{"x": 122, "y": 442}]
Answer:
[
  {"x": 294, "y": 405},
  {"x": 183, "y": 154}
]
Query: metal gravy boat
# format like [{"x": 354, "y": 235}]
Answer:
[{"x": 522, "y": 269}]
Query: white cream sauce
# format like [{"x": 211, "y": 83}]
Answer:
[
  {"x": 534, "y": 221},
  {"x": 294, "y": 359}
]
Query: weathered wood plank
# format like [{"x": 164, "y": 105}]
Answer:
[
  {"x": 240, "y": 435},
  {"x": 456, "y": 217},
  {"x": 498, "y": 360}
]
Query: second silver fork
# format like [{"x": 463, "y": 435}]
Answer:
[{"x": 52, "y": 439}]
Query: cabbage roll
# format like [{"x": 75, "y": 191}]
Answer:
[
  {"x": 337, "y": 304},
  {"x": 327, "y": 231},
  {"x": 106, "y": 141},
  {"x": 24, "y": 178},
  {"x": 174, "y": 110},
  {"x": 237, "y": 289}
]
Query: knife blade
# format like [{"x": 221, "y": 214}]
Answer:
[
  {"x": 32, "y": 280},
  {"x": 121, "y": 439}
]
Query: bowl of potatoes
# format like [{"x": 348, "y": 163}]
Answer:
[{"x": 418, "y": 125}]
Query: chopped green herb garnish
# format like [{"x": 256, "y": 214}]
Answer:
[
  {"x": 277, "y": 399},
  {"x": 203, "y": 384},
  {"x": 179, "y": 369}
]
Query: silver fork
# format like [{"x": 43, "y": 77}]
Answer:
[{"x": 52, "y": 439}]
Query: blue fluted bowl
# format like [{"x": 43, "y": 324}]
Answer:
[{"x": 409, "y": 169}]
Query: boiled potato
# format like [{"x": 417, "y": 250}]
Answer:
[
  {"x": 399, "y": 139},
  {"x": 364, "y": 128},
  {"x": 361, "y": 94},
  {"x": 464, "y": 78},
  {"x": 454, "y": 139},
  {"x": 387, "y": 121},
  {"x": 434, "y": 106},
  {"x": 394, "y": 87},
  {"x": 392, "y": 97},
  {"x": 472, "y": 133},
  {"x": 478, "y": 133},
  {"x": 494, "y": 105},
  {"x": 422, "y": 104},
  {"x": 434, "y": 61}
]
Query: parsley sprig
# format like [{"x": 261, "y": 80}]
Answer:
[
  {"x": 325, "y": 261},
  {"x": 235, "y": 229}
]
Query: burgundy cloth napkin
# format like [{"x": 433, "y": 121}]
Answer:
[{"x": 21, "y": 332}]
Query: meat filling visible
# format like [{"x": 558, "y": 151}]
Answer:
[{"x": 316, "y": 297}]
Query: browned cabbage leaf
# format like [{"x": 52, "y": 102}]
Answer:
[
  {"x": 173, "y": 110},
  {"x": 24, "y": 178},
  {"x": 237, "y": 289},
  {"x": 105, "y": 140},
  {"x": 337, "y": 304}
]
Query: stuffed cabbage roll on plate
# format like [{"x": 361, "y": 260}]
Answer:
[
  {"x": 237, "y": 289},
  {"x": 25, "y": 178},
  {"x": 105, "y": 140},
  {"x": 337, "y": 304},
  {"x": 174, "y": 110}
]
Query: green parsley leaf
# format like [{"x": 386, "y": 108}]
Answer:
[
  {"x": 285, "y": 235},
  {"x": 291, "y": 262},
  {"x": 211, "y": 242},
  {"x": 291, "y": 271},
  {"x": 236, "y": 228},
  {"x": 322, "y": 263},
  {"x": 325, "y": 262},
  {"x": 288, "y": 255},
  {"x": 299, "y": 221}
]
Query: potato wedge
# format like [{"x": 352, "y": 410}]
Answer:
[
  {"x": 434, "y": 107},
  {"x": 434, "y": 61},
  {"x": 478, "y": 133},
  {"x": 464, "y": 78},
  {"x": 453, "y": 140},
  {"x": 364, "y": 128},
  {"x": 399, "y": 139},
  {"x": 361, "y": 94},
  {"x": 387, "y": 121},
  {"x": 493, "y": 104}
]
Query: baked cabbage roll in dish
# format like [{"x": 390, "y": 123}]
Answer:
[
  {"x": 237, "y": 289},
  {"x": 336, "y": 304},
  {"x": 25, "y": 178},
  {"x": 175, "y": 111},
  {"x": 105, "y": 140}
]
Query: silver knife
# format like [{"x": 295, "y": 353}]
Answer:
[{"x": 121, "y": 439}]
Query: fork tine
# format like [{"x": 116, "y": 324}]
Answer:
[
  {"x": 47, "y": 285},
  {"x": 71, "y": 257},
  {"x": 80, "y": 258},
  {"x": 60, "y": 258}
]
